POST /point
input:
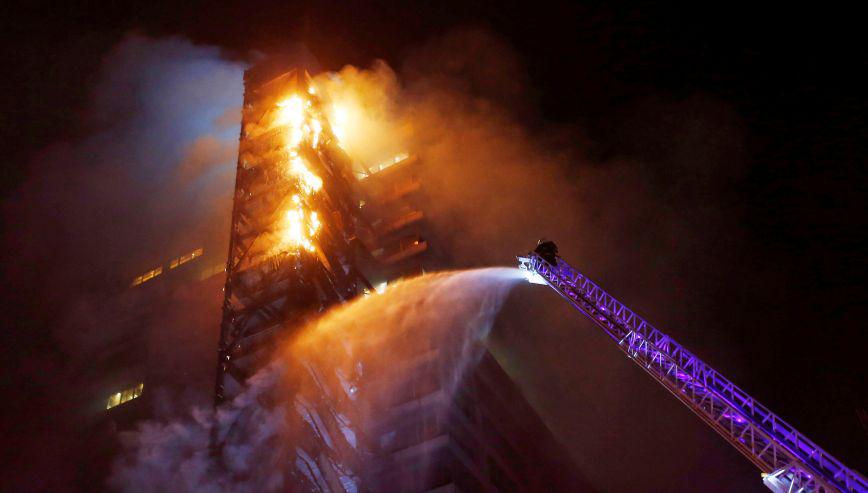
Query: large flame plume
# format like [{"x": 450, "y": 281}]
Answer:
[
  {"x": 326, "y": 113},
  {"x": 300, "y": 118}
]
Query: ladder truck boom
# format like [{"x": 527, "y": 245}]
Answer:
[{"x": 788, "y": 460}]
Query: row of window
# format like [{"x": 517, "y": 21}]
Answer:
[
  {"x": 126, "y": 395},
  {"x": 147, "y": 276},
  {"x": 381, "y": 166},
  {"x": 183, "y": 259},
  {"x": 401, "y": 249},
  {"x": 175, "y": 262}
]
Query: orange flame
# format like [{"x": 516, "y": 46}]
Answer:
[
  {"x": 306, "y": 124},
  {"x": 299, "y": 225}
]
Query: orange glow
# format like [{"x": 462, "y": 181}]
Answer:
[
  {"x": 340, "y": 118},
  {"x": 291, "y": 112},
  {"x": 316, "y": 130},
  {"x": 308, "y": 180},
  {"x": 309, "y": 121},
  {"x": 299, "y": 228},
  {"x": 299, "y": 224}
]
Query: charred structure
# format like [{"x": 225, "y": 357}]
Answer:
[
  {"x": 436, "y": 428},
  {"x": 312, "y": 228},
  {"x": 293, "y": 243}
]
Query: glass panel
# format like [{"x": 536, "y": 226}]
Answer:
[
  {"x": 126, "y": 395},
  {"x": 113, "y": 400}
]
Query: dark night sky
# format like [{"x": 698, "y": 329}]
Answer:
[{"x": 794, "y": 78}]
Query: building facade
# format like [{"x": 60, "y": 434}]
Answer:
[{"x": 311, "y": 229}]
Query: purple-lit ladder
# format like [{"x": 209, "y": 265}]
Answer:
[{"x": 789, "y": 461}]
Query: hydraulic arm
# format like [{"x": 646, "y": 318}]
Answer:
[{"x": 789, "y": 461}]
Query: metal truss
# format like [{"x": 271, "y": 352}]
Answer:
[
  {"x": 268, "y": 292},
  {"x": 790, "y": 462}
]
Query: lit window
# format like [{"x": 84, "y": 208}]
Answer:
[
  {"x": 385, "y": 164},
  {"x": 183, "y": 259},
  {"x": 390, "y": 162},
  {"x": 147, "y": 276},
  {"x": 125, "y": 395}
]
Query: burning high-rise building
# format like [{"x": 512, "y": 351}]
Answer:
[
  {"x": 295, "y": 223},
  {"x": 310, "y": 228}
]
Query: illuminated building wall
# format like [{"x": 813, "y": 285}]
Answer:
[
  {"x": 479, "y": 436},
  {"x": 166, "y": 301},
  {"x": 284, "y": 268},
  {"x": 151, "y": 345},
  {"x": 293, "y": 244},
  {"x": 434, "y": 434}
]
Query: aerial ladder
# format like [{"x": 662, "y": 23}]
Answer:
[{"x": 788, "y": 460}]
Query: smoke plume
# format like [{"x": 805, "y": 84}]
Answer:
[
  {"x": 152, "y": 174},
  {"x": 655, "y": 220},
  {"x": 265, "y": 428},
  {"x": 147, "y": 175}
]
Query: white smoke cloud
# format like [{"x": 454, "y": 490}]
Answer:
[
  {"x": 153, "y": 169},
  {"x": 102, "y": 200},
  {"x": 260, "y": 432},
  {"x": 148, "y": 173}
]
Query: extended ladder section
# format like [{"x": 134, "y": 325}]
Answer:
[{"x": 789, "y": 461}]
